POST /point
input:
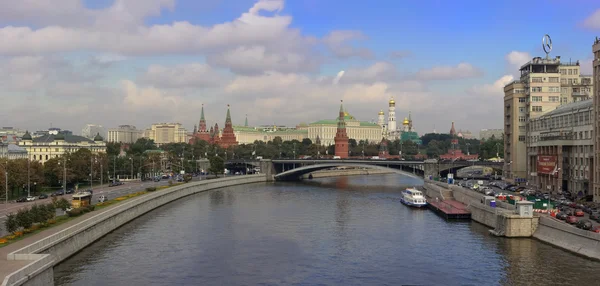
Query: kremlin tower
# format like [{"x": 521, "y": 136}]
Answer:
[
  {"x": 228, "y": 137},
  {"x": 202, "y": 133},
  {"x": 341, "y": 138}
]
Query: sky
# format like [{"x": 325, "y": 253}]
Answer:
[{"x": 112, "y": 62}]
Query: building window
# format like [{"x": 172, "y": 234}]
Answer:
[
  {"x": 570, "y": 72},
  {"x": 536, "y": 108},
  {"x": 536, "y": 79},
  {"x": 521, "y": 118},
  {"x": 521, "y": 109},
  {"x": 553, "y": 79},
  {"x": 522, "y": 99},
  {"x": 536, "y": 98},
  {"x": 554, "y": 89},
  {"x": 554, "y": 99},
  {"x": 536, "y": 89},
  {"x": 522, "y": 138}
]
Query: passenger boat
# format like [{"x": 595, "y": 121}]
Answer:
[{"x": 413, "y": 197}]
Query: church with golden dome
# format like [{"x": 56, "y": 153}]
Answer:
[{"x": 391, "y": 131}]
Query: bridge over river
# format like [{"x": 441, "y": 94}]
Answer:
[{"x": 293, "y": 169}]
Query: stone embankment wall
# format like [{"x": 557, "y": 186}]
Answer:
[
  {"x": 559, "y": 233},
  {"x": 348, "y": 172},
  {"x": 46, "y": 253}
]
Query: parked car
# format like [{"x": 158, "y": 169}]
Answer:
[
  {"x": 69, "y": 191},
  {"x": 57, "y": 193},
  {"x": 595, "y": 216},
  {"x": 570, "y": 212},
  {"x": 596, "y": 229},
  {"x": 571, "y": 219},
  {"x": 584, "y": 224},
  {"x": 579, "y": 212},
  {"x": 43, "y": 196},
  {"x": 21, "y": 200},
  {"x": 562, "y": 216},
  {"x": 31, "y": 198}
]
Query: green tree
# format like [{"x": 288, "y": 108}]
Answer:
[
  {"x": 217, "y": 165},
  {"x": 24, "y": 218},
  {"x": 113, "y": 149},
  {"x": 306, "y": 142},
  {"x": 11, "y": 224},
  {"x": 50, "y": 211}
]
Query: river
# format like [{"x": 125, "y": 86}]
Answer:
[{"x": 332, "y": 231}]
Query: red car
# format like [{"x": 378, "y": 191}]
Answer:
[
  {"x": 579, "y": 213},
  {"x": 571, "y": 220},
  {"x": 596, "y": 229}
]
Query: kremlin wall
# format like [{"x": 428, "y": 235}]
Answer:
[{"x": 325, "y": 132}]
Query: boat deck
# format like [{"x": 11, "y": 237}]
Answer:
[{"x": 449, "y": 209}]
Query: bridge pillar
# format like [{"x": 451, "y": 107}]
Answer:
[
  {"x": 431, "y": 169},
  {"x": 267, "y": 168}
]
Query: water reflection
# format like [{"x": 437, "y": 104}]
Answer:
[{"x": 334, "y": 231}]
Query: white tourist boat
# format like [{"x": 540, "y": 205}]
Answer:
[{"x": 413, "y": 197}]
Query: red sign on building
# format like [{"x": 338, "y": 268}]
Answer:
[{"x": 546, "y": 164}]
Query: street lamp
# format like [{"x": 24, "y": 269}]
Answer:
[
  {"x": 115, "y": 169},
  {"x": 64, "y": 173},
  {"x": 468, "y": 144},
  {"x": 131, "y": 160},
  {"x": 28, "y": 177},
  {"x": 294, "y": 151},
  {"x": 6, "y": 183},
  {"x": 497, "y": 150}
]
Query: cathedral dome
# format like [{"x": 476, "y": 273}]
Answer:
[
  {"x": 381, "y": 112},
  {"x": 405, "y": 122},
  {"x": 392, "y": 101}
]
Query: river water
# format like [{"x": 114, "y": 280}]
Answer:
[{"x": 333, "y": 231}]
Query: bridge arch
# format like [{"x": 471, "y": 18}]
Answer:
[{"x": 296, "y": 173}]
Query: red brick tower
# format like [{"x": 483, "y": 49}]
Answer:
[
  {"x": 341, "y": 138},
  {"x": 202, "y": 133},
  {"x": 383, "y": 149},
  {"x": 228, "y": 137}
]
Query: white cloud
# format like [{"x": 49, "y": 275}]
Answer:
[
  {"x": 494, "y": 89},
  {"x": 460, "y": 71},
  {"x": 337, "y": 78},
  {"x": 192, "y": 75},
  {"x": 593, "y": 21},
  {"x": 340, "y": 44},
  {"x": 379, "y": 71},
  {"x": 147, "y": 98},
  {"x": 514, "y": 61}
]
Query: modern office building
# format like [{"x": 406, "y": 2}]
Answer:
[
  {"x": 544, "y": 84},
  {"x": 127, "y": 134},
  {"x": 560, "y": 149}
]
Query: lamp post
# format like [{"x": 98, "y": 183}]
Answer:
[
  {"x": 28, "y": 177},
  {"x": 468, "y": 144},
  {"x": 363, "y": 149},
  {"x": 497, "y": 150},
  {"x": 294, "y": 151},
  {"x": 6, "y": 183},
  {"x": 131, "y": 160},
  {"x": 91, "y": 172},
  {"x": 101, "y": 172},
  {"x": 64, "y": 163}
]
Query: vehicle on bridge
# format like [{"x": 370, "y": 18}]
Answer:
[{"x": 413, "y": 198}]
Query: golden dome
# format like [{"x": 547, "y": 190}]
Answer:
[
  {"x": 381, "y": 112},
  {"x": 392, "y": 101},
  {"x": 346, "y": 113},
  {"x": 405, "y": 122}
]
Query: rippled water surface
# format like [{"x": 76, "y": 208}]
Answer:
[{"x": 337, "y": 231}]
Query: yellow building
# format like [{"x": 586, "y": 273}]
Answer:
[
  {"x": 545, "y": 84},
  {"x": 358, "y": 130},
  {"x": 54, "y": 145},
  {"x": 164, "y": 133}
]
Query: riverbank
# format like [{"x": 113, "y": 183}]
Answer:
[
  {"x": 345, "y": 172},
  {"x": 505, "y": 222},
  {"x": 34, "y": 257}
]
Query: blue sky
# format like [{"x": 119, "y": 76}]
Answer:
[{"x": 131, "y": 77}]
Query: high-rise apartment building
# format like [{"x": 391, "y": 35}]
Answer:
[
  {"x": 127, "y": 134},
  {"x": 91, "y": 130},
  {"x": 164, "y": 133},
  {"x": 545, "y": 84},
  {"x": 596, "y": 119},
  {"x": 485, "y": 134}
]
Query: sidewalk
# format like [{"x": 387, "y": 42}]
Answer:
[{"x": 7, "y": 267}]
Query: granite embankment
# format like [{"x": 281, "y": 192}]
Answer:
[
  {"x": 345, "y": 172},
  {"x": 35, "y": 261},
  {"x": 505, "y": 222}
]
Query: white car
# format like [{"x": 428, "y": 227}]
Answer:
[{"x": 31, "y": 199}]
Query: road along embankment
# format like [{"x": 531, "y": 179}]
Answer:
[
  {"x": 565, "y": 236},
  {"x": 44, "y": 254},
  {"x": 502, "y": 218},
  {"x": 346, "y": 172}
]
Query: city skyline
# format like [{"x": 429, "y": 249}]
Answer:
[{"x": 278, "y": 62}]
